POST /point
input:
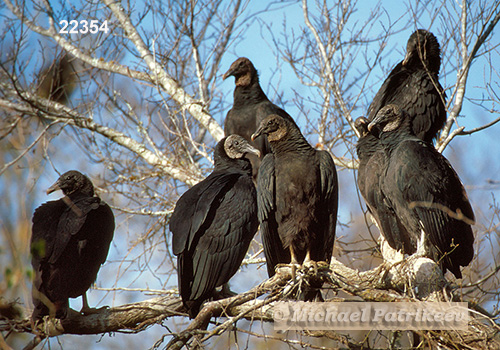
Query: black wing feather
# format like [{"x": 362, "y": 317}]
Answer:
[
  {"x": 420, "y": 191},
  {"x": 193, "y": 207},
  {"x": 417, "y": 92},
  {"x": 221, "y": 223},
  {"x": 71, "y": 221},
  {"x": 266, "y": 197},
  {"x": 329, "y": 200}
]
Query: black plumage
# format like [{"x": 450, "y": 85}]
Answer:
[
  {"x": 372, "y": 162},
  {"x": 69, "y": 242},
  {"x": 250, "y": 107},
  {"x": 413, "y": 85},
  {"x": 214, "y": 222},
  {"x": 425, "y": 193},
  {"x": 297, "y": 197}
]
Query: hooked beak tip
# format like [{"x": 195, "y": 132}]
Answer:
[{"x": 53, "y": 188}]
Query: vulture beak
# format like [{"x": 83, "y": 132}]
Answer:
[
  {"x": 374, "y": 125},
  {"x": 406, "y": 59},
  {"x": 228, "y": 74},
  {"x": 257, "y": 133},
  {"x": 53, "y": 188},
  {"x": 250, "y": 149}
]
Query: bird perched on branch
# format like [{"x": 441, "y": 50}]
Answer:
[
  {"x": 297, "y": 197},
  {"x": 420, "y": 187},
  {"x": 69, "y": 242},
  {"x": 414, "y": 86},
  {"x": 372, "y": 163},
  {"x": 250, "y": 107},
  {"x": 214, "y": 222}
]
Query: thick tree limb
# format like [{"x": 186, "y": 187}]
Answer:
[{"x": 383, "y": 283}]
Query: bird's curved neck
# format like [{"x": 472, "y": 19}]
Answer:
[
  {"x": 404, "y": 131},
  {"x": 241, "y": 165},
  {"x": 294, "y": 143},
  {"x": 78, "y": 195},
  {"x": 249, "y": 93}
]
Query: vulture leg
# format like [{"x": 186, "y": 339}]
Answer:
[
  {"x": 226, "y": 292},
  {"x": 308, "y": 263},
  {"x": 293, "y": 263},
  {"x": 422, "y": 243},
  {"x": 389, "y": 254},
  {"x": 86, "y": 309},
  {"x": 61, "y": 308}
]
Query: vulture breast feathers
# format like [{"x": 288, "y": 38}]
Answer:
[
  {"x": 425, "y": 193},
  {"x": 70, "y": 240},
  {"x": 214, "y": 222},
  {"x": 297, "y": 197},
  {"x": 413, "y": 85}
]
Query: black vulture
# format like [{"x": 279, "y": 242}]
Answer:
[
  {"x": 425, "y": 193},
  {"x": 372, "y": 161},
  {"x": 297, "y": 196},
  {"x": 69, "y": 242},
  {"x": 214, "y": 222},
  {"x": 250, "y": 107},
  {"x": 413, "y": 85}
]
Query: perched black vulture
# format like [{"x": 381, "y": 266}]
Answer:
[
  {"x": 214, "y": 222},
  {"x": 413, "y": 85},
  {"x": 69, "y": 242},
  {"x": 250, "y": 107},
  {"x": 372, "y": 162},
  {"x": 297, "y": 196},
  {"x": 425, "y": 193}
]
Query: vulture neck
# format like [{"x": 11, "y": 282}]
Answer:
[
  {"x": 391, "y": 139},
  {"x": 239, "y": 165},
  {"x": 293, "y": 142},
  {"x": 78, "y": 194},
  {"x": 249, "y": 94},
  {"x": 223, "y": 162}
]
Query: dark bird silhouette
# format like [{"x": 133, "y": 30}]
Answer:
[
  {"x": 425, "y": 193},
  {"x": 250, "y": 107},
  {"x": 297, "y": 197},
  {"x": 372, "y": 162},
  {"x": 413, "y": 85},
  {"x": 57, "y": 81},
  {"x": 214, "y": 222},
  {"x": 69, "y": 242}
]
